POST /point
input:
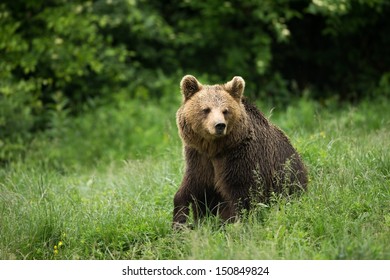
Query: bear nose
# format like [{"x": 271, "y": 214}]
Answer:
[{"x": 219, "y": 128}]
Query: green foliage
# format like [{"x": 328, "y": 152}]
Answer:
[
  {"x": 15, "y": 125},
  {"x": 242, "y": 46},
  {"x": 78, "y": 55},
  {"x": 50, "y": 50},
  {"x": 57, "y": 47}
]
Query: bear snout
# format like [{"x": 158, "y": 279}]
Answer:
[{"x": 220, "y": 128}]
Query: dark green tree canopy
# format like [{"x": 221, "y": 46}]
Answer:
[{"x": 67, "y": 54}]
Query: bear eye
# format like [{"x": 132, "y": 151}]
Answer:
[
  {"x": 206, "y": 110},
  {"x": 225, "y": 112}
]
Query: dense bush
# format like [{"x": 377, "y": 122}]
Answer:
[
  {"x": 71, "y": 55},
  {"x": 51, "y": 51},
  {"x": 339, "y": 48}
]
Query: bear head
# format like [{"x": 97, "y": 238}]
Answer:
[{"x": 211, "y": 111}]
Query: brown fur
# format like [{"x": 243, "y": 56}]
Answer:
[{"x": 233, "y": 154}]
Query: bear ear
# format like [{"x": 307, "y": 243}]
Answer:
[
  {"x": 189, "y": 85},
  {"x": 236, "y": 87}
]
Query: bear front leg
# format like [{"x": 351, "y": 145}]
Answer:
[
  {"x": 198, "y": 178},
  {"x": 181, "y": 210},
  {"x": 227, "y": 212}
]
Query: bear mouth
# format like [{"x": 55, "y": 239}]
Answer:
[
  {"x": 219, "y": 134},
  {"x": 213, "y": 135}
]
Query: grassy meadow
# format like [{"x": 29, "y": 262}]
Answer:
[{"x": 101, "y": 186}]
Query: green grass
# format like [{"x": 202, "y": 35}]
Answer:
[{"x": 100, "y": 186}]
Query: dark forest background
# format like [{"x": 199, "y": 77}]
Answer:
[{"x": 74, "y": 56}]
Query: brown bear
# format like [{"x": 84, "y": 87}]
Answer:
[{"x": 234, "y": 156}]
